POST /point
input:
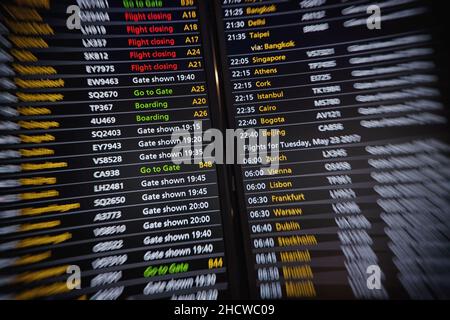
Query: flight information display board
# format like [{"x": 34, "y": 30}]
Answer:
[
  {"x": 108, "y": 188},
  {"x": 91, "y": 94},
  {"x": 362, "y": 187}
]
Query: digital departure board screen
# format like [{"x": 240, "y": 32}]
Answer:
[
  {"x": 223, "y": 149},
  {"x": 363, "y": 155},
  {"x": 87, "y": 171}
]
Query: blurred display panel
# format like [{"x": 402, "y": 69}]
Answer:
[
  {"x": 348, "y": 197},
  {"x": 91, "y": 94},
  {"x": 362, "y": 189}
]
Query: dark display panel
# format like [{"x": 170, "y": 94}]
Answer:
[
  {"x": 354, "y": 202},
  {"x": 362, "y": 187},
  {"x": 90, "y": 101}
]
